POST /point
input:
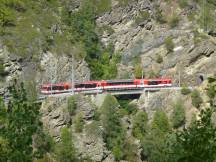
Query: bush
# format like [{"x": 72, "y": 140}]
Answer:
[
  {"x": 178, "y": 115},
  {"x": 130, "y": 108},
  {"x": 183, "y": 3},
  {"x": 143, "y": 15},
  {"x": 2, "y": 70},
  {"x": 169, "y": 44},
  {"x": 159, "y": 59},
  {"x": 159, "y": 16},
  {"x": 102, "y": 6},
  {"x": 185, "y": 90},
  {"x": 174, "y": 20},
  {"x": 140, "y": 122},
  {"x": 196, "y": 99},
  {"x": 138, "y": 71}
]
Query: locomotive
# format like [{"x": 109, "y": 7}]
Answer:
[{"x": 106, "y": 85}]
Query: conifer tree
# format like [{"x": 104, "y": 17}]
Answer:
[{"x": 20, "y": 121}]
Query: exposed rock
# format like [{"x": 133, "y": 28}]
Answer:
[
  {"x": 165, "y": 100},
  {"x": 54, "y": 116},
  {"x": 91, "y": 145},
  {"x": 85, "y": 106},
  {"x": 59, "y": 69}
]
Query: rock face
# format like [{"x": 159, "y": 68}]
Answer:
[
  {"x": 49, "y": 68},
  {"x": 165, "y": 100},
  {"x": 59, "y": 69},
  {"x": 89, "y": 142},
  {"x": 55, "y": 116},
  {"x": 91, "y": 145},
  {"x": 192, "y": 56}
]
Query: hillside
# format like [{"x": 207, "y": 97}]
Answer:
[{"x": 40, "y": 42}]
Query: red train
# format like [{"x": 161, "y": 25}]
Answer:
[{"x": 106, "y": 85}]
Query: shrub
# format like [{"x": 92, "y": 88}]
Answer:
[
  {"x": 174, "y": 20},
  {"x": 102, "y": 6},
  {"x": 123, "y": 2},
  {"x": 65, "y": 150},
  {"x": 130, "y": 108},
  {"x": 143, "y": 15},
  {"x": 159, "y": 59},
  {"x": 79, "y": 123},
  {"x": 178, "y": 115},
  {"x": 185, "y": 90},
  {"x": 159, "y": 16},
  {"x": 169, "y": 44},
  {"x": 7, "y": 17},
  {"x": 140, "y": 121},
  {"x": 183, "y": 3},
  {"x": 130, "y": 151},
  {"x": 2, "y": 70},
  {"x": 196, "y": 99}
]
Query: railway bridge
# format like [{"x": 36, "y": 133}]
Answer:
[{"x": 114, "y": 91}]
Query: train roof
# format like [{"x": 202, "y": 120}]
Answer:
[{"x": 55, "y": 84}]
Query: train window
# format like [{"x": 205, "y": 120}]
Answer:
[
  {"x": 90, "y": 85},
  {"x": 120, "y": 83},
  {"x": 79, "y": 85},
  {"x": 153, "y": 83}
]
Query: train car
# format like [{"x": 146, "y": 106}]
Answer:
[
  {"x": 87, "y": 86},
  {"x": 55, "y": 88},
  {"x": 110, "y": 85},
  {"x": 162, "y": 82},
  {"x": 120, "y": 84}
]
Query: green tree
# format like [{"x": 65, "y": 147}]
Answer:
[
  {"x": 114, "y": 134},
  {"x": 196, "y": 98},
  {"x": 5, "y": 149},
  {"x": 140, "y": 125},
  {"x": 65, "y": 150},
  {"x": 79, "y": 123},
  {"x": 178, "y": 114},
  {"x": 153, "y": 143},
  {"x": 198, "y": 142},
  {"x": 20, "y": 123},
  {"x": 161, "y": 121},
  {"x": 71, "y": 105}
]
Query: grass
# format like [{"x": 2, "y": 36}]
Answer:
[
  {"x": 173, "y": 21},
  {"x": 142, "y": 16}
]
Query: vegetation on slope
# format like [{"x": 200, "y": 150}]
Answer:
[{"x": 19, "y": 121}]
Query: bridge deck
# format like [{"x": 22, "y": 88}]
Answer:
[{"x": 112, "y": 92}]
